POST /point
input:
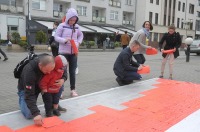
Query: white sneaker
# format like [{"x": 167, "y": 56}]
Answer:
[
  {"x": 76, "y": 70},
  {"x": 73, "y": 93}
]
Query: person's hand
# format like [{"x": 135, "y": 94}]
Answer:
[
  {"x": 140, "y": 67},
  {"x": 161, "y": 50},
  {"x": 59, "y": 82},
  {"x": 38, "y": 120},
  {"x": 44, "y": 90},
  {"x": 149, "y": 47},
  {"x": 174, "y": 49},
  {"x": 67, "y": 40}
]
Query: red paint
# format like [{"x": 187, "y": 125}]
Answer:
[{"x": 159, "y": 109}]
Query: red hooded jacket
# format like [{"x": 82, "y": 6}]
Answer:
[{"x": 48, "y": 81}]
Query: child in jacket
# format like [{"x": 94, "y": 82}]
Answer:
[{"x": 49, "y": 89}]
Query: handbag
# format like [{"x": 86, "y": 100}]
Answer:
[{"x": 54, "y": 44}]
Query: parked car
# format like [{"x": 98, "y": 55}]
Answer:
[{"x": 194, "y": 47}]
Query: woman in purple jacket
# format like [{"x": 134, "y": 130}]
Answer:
[{"x": 65, "y": 32}]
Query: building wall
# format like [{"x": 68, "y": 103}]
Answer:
[{"x": 4, "y": 24}]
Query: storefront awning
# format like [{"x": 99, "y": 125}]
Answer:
[
  {"x": 114, "y": 30},
  {"x": 83, "y": 29},
  {"x": 97, "y": 29},
  {"x": 128, "y": 30},
  {"x": 47, "y": 24}
]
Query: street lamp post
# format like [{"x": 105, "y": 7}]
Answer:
[{"x": 188, "y": 42}]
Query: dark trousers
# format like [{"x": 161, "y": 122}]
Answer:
[
  {"x": 3, "y": 53},
  {"x": 72, "y": 60},
  {"x": 54, "y": 51},
  {"x": 51, "y": 98},
  {"x": 139, "y": 58},
  {"x": 124, "y": 46},
  {"x": 130, "y": 76}
]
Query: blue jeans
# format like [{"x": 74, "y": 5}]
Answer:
[
  {"x": 130, "y": 76},
  {"x": 23, "y": 106}
]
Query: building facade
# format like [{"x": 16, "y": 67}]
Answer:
[
  {"x": 95, "y": 16},
  {"x": 101, "y": 17},
  {"x": 162, "y": 13}
]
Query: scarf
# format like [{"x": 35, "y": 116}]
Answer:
[{"x": 147, "y": 33}]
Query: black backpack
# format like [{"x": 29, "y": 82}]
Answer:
[{"x": 18, "y": 69}]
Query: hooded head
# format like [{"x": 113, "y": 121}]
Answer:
[
  {"x": 60, "y": 62},
  {"x": 71, "y": 13}
]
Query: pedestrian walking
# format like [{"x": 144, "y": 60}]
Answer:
[
  {"x": 125, "y": 39},
  {"x": 4, "y": 55}
]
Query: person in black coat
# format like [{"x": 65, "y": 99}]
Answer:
[
  {"x": 124, "y": 67},
  {"x": 173, "y": 42},
  {"x": 54, "y": 45},
  {"x": 28, "y": 85}
]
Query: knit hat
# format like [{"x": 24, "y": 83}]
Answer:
[{"x": 60, "y": 61}]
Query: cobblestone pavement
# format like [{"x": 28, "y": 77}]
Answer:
[{"x": 95, "y": 74}]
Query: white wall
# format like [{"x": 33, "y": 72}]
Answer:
[{"x": 3, "y": 25}]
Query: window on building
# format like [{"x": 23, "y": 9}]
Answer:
[
  {"x": 199, "y": 2},
  {"x": 150, "y": 16},
  {"x": 128, "y": 2},
  {"x": 151, "y": 1},
  {"x": 124, "y": 17},
  {"x": 96, "y": 13},
  {"x": 156, "y": 18},
  {"x": 57, "y": 7},
  {"x": 39, "y": 4},
  {"x": 183, "y": 8},
  {"x": 191, "y": 9},
  {"x": 179, "y": 6},
  {"x": 169, "y": 19},
  {"x": 8, "y": 2},
  {"x": 164, "y": 20},
  {"x": 178, "y": 21},
  {"x": 114, "y": 15},
  {"x": 182, "y": 24},
  {"x": 155, "y": 38},
  {"x": 191, "y": 25},
  {"x": 198, "y": 25},
  {"x": 198, "y": 14},
  {"x": 157, "y": 2},
  {"x": 81, "y": 10}
]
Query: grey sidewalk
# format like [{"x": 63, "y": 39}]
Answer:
[{"x": 95, "y": 74}]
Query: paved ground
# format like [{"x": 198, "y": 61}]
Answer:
[{"x": 95, "y": 74}]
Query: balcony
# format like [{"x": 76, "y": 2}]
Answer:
[
  {"x": 12, "y": 9},
  {"x": 125, "y": 22},
  {"x": 99, "y": 19},
  {"x": 58, "y": 14},
  {"x": 114, "y": 3}
]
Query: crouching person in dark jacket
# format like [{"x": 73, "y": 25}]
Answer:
[
  {"x": 125, "y": 68},
  {"x": 28, "y": 85}
]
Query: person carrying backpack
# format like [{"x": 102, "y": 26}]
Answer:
[
  {"x": 54, "y": 45},
  {"x": 28, "y": 85}
]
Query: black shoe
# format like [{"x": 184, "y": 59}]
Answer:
[
  {"x": 5, "y": 59},
  {"x": 127, "y": 82},
  {"x": 0, "y": 57},
  {"x": 61, "y": 109},
  {"x": 49, "y": 114},
  {"x": 56, "y": 112},
  {"x": 119, "y": 81}
]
